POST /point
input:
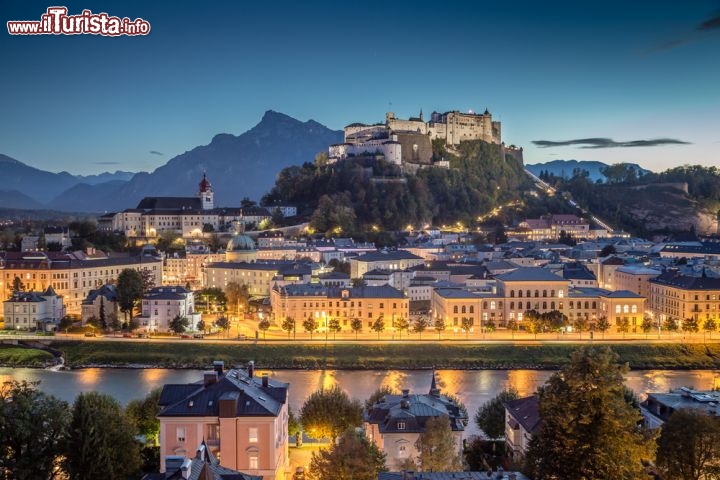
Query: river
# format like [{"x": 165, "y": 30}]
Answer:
[{"x": 473, "y": 387}]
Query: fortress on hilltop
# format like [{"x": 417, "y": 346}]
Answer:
[{"x": 404, "y": 142}]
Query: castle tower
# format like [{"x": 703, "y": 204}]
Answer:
[{"x": 205, "y": 193}]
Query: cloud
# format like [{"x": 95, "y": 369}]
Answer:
[
  {"x": 155, "y": 152},
  {"x": 608, "y": 143},
  {"x": 107, "y": 163},
  {"x": 709, "y": 25}
]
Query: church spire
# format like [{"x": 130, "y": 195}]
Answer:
[{"x": 434, "y": 390}]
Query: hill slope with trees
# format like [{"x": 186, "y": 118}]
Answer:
[{"x": 358, "y": 194}]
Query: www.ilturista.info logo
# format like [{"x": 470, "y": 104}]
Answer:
[{"x": 57, "y": 22}]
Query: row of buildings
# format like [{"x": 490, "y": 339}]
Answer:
[{"x": 241, "y": 418}]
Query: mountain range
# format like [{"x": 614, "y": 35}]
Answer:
[
  {"x": 238, "y": 166},
  {"x": 565, "y": 168}
]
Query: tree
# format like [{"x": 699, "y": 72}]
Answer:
[
  {"x": 580, "y": 324},
  {"x": 310, "y": 325},
  {"x": 436, "y": 445},
  {"x": 378, "y": 395},
  {"x": 334, "y": 326},
  {"x": 533, "y": 322},
  {"x": 33, "y": 431},
  {"x": 690, "y": 325},
  {"x": 623, "y": 325},
  {"x": 490, "y": 417},
  {"x": 288, "y": 325},
  {"x": 328, "y": 413},
  {"x": 688, "y": 448},
  {"x": 439, "y": 326},
  {"x": 401, "y": 324},
  {"x": 378, "y": 325},
  {"x": 603, "y": 325},
  {"x": 101, "y": 441},
  {"x": 710, "y": 326},
  {"x": 512, "y": 325},
  {"x": 142, "y": 414},
  {"x": 179, "y": 324},
  {"x": 237, "y": 295},
  {"x": 18, "y": 285},
  {"x": 607, "y": 251},
  {"x": 647, "y": 325},
  {"x": 420, "y": 325},
  {"x": 148, "y": 279},
  {"x": 212, "y": 296},
  {"x": 466, "y": 324},
  {"x": 264, "y": 326},
  {"x": 129, "y": 291},
  {"x": 588, "y": 430},
  {"x": 670, "y": 325},
  {"x": 353, "y": 457},
  {"x": 102, "y": 319},
  {"x": 223, "y": 323},
  {"x": 356, "y": 326},
  {"x": 201, "y": 325}
]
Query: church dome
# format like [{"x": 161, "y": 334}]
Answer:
[
  {"x": 239, "y": 243},
  {"x": 204, "y": 184}
]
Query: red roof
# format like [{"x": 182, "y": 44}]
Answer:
[{"x": 204, "y": 184}]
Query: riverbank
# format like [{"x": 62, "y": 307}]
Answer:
[{"x": 408, "y": 356}]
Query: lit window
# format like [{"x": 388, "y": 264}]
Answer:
[
  {"x": 180, "y": 433},
  {"x": 253, "y": 464},
  {"x": 401, "y": 425},
  {"x": 253, "y": 435}
]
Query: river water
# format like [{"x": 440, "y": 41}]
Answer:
[{"x": 473, "y": 387}]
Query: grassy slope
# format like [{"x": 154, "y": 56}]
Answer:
[
  {"x": 14, "y": 356},
  {"x": 187, "y": 355}
]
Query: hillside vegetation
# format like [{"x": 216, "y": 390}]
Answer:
[
  {"x": 357, "y": 194},
  {"x": 649, "y": 203}
]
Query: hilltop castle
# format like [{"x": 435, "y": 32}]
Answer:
[{"x": 410, "y": 141}]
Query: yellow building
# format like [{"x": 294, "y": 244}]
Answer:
[
  {"x": 70, "y": 277},
  {"x": 302, "y": 301},
  {"x": 678, "y": 297},
  {"x": 623, "y": 305}
]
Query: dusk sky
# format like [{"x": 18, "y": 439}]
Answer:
[{"x": 586, "y": 80}]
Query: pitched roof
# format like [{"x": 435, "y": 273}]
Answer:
[
  {"x": 170, "y": 203},
  {"x": 401, "y": 413},
  {"x": 107, "y": 291},
  {"x": 387, "y": 256},
  {"x": 675, "y": 279},
  {"x": 529, "y": 274},
  {"x": 525, "y": 411},
  {"x": 251, "y": 398}
]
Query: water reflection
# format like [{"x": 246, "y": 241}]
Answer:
[{"x": 474, "y": 387}]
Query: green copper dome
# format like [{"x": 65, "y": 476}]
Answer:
[{"x": 240, "y": 243}]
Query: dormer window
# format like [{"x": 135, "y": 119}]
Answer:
[{"x": 401, "y": 425}]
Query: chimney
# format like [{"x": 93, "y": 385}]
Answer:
[
  {"x": 186, "y": 468},
  {"x": 251, "y": 369},
  {"x": 210, "y": 377},
  {"x": 265, "y": 380},
  {"x": 219, "y": 366},
  {"x": 173, "y": 464},
  {"x": 405, "y": 393}
]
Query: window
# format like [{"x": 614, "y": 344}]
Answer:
[
  {"x": 253, "y": 462},
  {"x": 402, "y": 451},
  {"x": 401, "y": 425},
  {"x": 253, "y": 435},
  {"x": 634, "y": 309},
  {"x": 180, "y": 434}
]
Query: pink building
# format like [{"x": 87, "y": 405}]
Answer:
[{"x": 242, "y": 418}]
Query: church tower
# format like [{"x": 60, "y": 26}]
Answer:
[{"x": 206, "y": 194}]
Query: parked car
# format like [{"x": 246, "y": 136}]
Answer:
[
  {"x": 127, "y": 335},
  {"x": 90, "y": 334},
  {"x": 142, "y": 335},
  {"x": 185, "y": 335},
  {"x": 198, "y": 335}
]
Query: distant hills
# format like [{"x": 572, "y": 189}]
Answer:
[
  {"x": 237, "y": 166},
  {"x": 565, "y": 168}
]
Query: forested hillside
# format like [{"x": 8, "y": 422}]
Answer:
[{"x": 356, "y": 194}]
